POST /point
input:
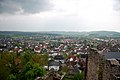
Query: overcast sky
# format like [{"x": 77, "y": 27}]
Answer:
[{"x": 59, "y": 15}]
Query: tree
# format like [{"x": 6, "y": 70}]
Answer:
[
  {"x": 40, "y": 59},
  {"x": 7, "y": 65},
  {"x": 21, "y": 67},
  {"x": 26, "y": 56},
  {"x": 32, "y": 70},
  {"x": 4, "y": 71}
]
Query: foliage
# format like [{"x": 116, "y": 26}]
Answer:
[
  {"x": 4, "y": 71},
  {"x": 12, "y": 77},
  {"x": 65, "y": 55},
  {"x": 26, "y": 56},
  {"x": 78, "y": 76},
  {"x": 21, "y": 67},
  {"x": 32, "y": 70},
  {"x": 41, "y": 59},
  {"x": 64, "y": 69},
  {"x": 7, "y": 65}
]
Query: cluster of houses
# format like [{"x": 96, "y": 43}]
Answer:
[
  {"x": 111, "y": 45},
  {"x": 63, "y": 55},
  {"x": 65, "y": 51},
  {"x": 74, "y": 53}
]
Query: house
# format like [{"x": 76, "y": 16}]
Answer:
[
  {"x": 37, "y": 49},
  {"x": 20, "y": 50},
  {"x": 53, "y": 53},
  {"x": 53, "y": 65},
  {"x": 16, "y": 48},
  {"x": 72, "y": 60},
  {"x": 105, "y": 50},
  {"x": 59, "y": 58}
]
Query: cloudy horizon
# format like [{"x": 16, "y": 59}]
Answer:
[{"x": 60, "y": 15}]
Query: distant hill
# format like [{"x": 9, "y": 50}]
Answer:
[
  {"x": 13, "y": 33},
  {"x": 91, "y": 34},
  {"x": 104, "y": 34}
]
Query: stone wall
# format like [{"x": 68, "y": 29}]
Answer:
[
  {"x": 107, "y": 71},
  {"x": 110, "y": 71},
  {"x": 93, "y": 65},
  {"x": 98, "y": 68}
]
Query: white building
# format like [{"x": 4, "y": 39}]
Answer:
[{"x": 54, "y": 65}]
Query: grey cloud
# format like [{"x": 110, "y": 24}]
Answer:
[{"x": 27, "y": 6}]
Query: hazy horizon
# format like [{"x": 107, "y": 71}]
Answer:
[
  {"x": 58, "y": 30},
  {"x": 60, "y": 15}
]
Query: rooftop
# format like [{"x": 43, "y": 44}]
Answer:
[
  {"x": 111, "y": 55},
  {"x": 114, "y": 62},
  {"x": 59, "y": 57},
  {"x": 54, "y": 63}
]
